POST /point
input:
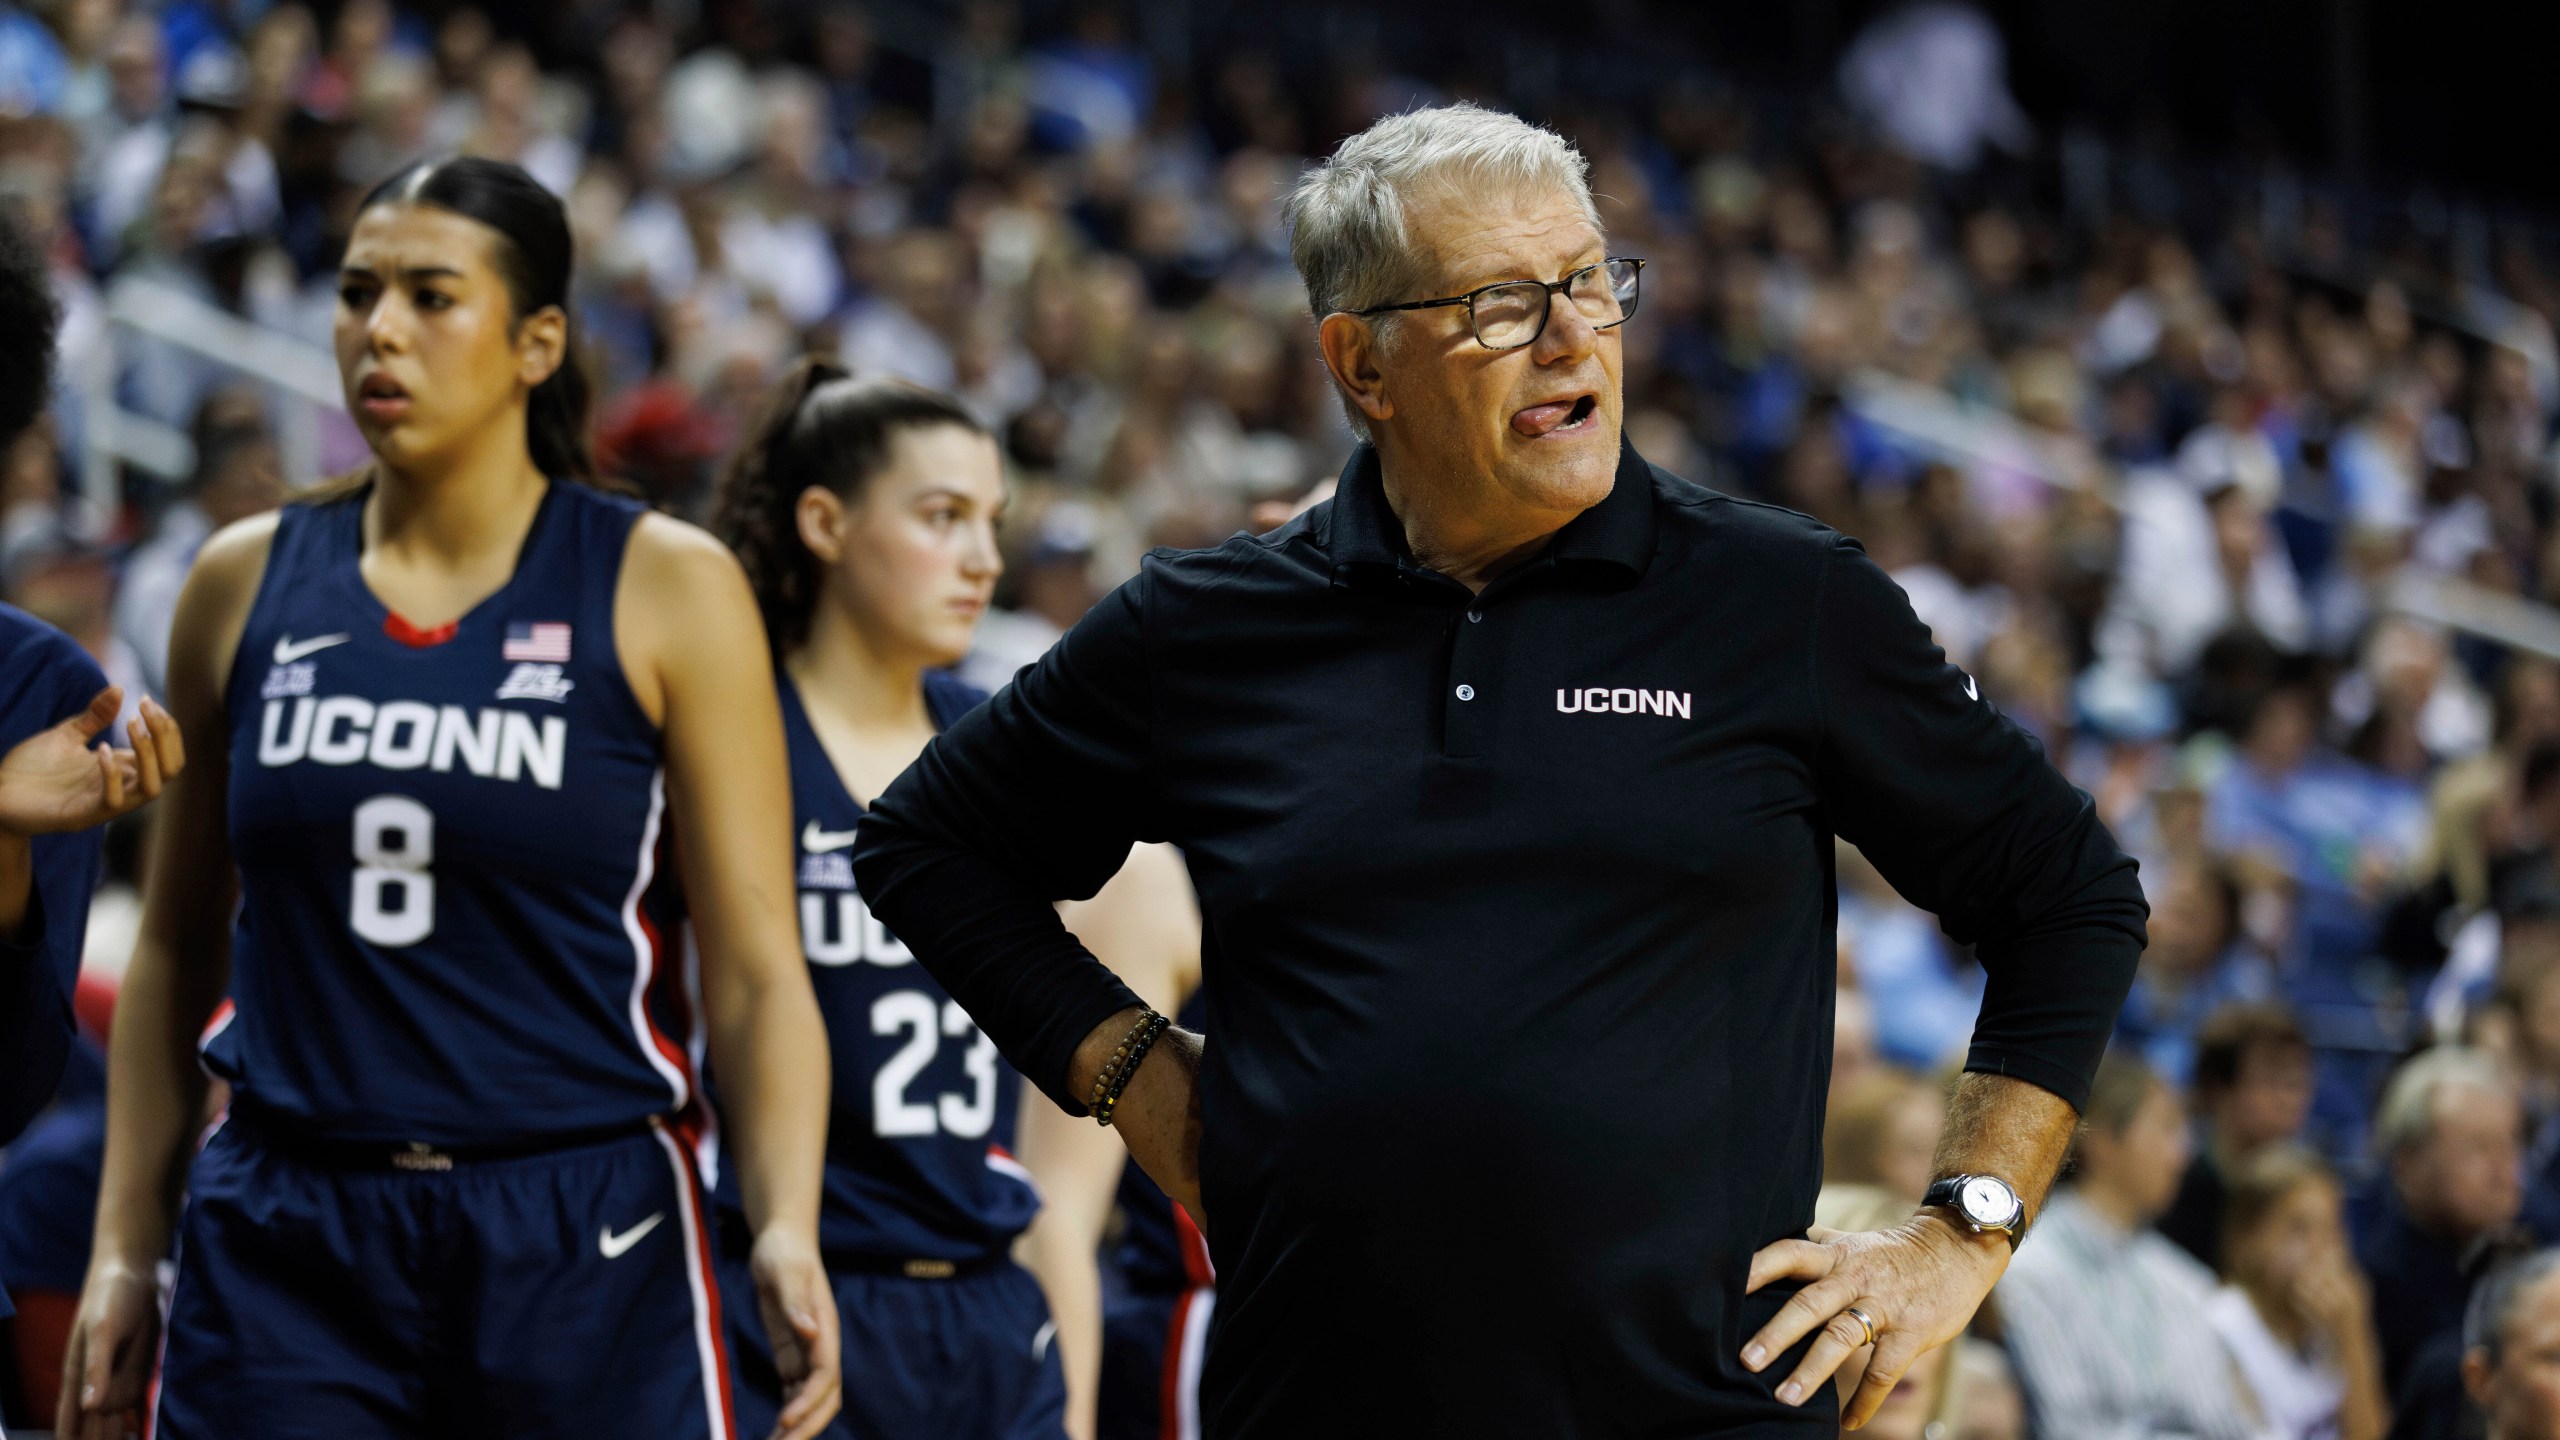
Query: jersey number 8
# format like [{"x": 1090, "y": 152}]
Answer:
[{"x": 395, "y": 895}]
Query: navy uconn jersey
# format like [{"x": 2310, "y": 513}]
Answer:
[
  {"x": 922, "y": 1116},
  {"x": 452, "y": 851}
]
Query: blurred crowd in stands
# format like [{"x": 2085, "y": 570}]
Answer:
[{"x": 2159, "y": 446}]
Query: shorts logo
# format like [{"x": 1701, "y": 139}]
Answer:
[
  {"x": 1602, "y": 700},
  {"x": 286, "y": 681},
  {"x": 612, "y": 1246},
  {"x": 536, "y": 682}
]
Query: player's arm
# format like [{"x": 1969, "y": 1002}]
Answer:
[
  {"x": 180, "y": 968},
  {"x": 696, "y": 652},
  {"x": 1145, "y": 925}
]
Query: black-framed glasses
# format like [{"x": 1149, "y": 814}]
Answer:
[{"x": 1513, "y": 313}]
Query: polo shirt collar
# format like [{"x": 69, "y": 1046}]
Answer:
[{"x": 1614, "y": 538}]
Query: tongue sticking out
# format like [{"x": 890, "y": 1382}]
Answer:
[{"x": 1539, "y": 419}]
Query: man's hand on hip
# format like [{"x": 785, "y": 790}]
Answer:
[
  {"x": 1158, "y": 1116},
  {"x": 1917, "y": 1284}
]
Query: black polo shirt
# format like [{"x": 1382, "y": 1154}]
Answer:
[{"x": 1519, "y": 916}]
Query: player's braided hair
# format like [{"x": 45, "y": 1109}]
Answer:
[
  {"x": 822, "y": 427},
  {"x": 28, "y": 317}
]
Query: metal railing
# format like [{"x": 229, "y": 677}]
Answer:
[
  {"x": 299, "y": 378},
  {"x": 1935, "y": 424}
]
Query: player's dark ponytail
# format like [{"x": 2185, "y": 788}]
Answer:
[
  {"x": 825, "y": 428},
  {"x": 534, "y": 257}
]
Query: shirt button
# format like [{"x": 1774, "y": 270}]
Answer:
[
  {"x": 1466, "y": 692},
  {"x": 1475, "y": 617}
]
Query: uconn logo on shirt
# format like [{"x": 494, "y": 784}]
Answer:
[
  {"x": 408, "y": 735},
  {"x": 1603, "y": 700}
]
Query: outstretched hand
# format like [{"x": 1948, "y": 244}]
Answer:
[
  {"x": 54, "y": 781},
  {"x": 1917, "y": 1283}
]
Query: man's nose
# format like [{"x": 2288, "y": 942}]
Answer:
[{"x": 1568, "y": 335}]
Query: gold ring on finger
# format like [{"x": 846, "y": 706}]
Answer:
[{"x": 1864, "y": 1319}]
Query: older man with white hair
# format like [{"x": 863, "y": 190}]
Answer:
[
  {"x": 1509, "y": 779},
  {"x": 2450, "y": 1131}
]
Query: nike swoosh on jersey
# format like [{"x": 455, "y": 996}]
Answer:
[
  {"x": 819, "y": 842},
  {"x": 1971, "y": 690},
  {"x": 289, "y": 649},
  {"x": 613, "y": 1245}
]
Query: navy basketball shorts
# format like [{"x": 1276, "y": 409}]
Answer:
[
  {"x": 562, "y": 1294},
  {"x": 1151, "y": 1349},
  {"x": 970, "y": 1357}
]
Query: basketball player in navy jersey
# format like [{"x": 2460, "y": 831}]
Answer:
[
  {"x": 467, "y": 718},
  {"x": 864, "y": 512}
]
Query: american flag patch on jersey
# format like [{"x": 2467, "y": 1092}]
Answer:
[{"x": 545, "y": 642}]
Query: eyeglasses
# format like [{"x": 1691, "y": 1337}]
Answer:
[{"x": 1514, "y": 313}]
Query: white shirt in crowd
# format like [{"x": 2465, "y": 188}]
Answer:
[
  {"x": 2299, "y": 1396},
  {"x": 2103, "y": 1326},
  {"x": 2170, "y": 595}
]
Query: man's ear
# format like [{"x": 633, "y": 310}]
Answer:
[
  {"x": 542, "y": 345},
  {"x": 2475, "y": 1375},
  {"x": 820, "y": 516},
  {"x": 1350, "y": 346}
]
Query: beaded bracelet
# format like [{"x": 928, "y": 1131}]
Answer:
[{"x": 1123, "y": 1065}]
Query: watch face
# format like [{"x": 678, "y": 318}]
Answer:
[{"x": 1986, "y": 1201}]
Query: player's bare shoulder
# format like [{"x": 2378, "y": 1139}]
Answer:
[{"x": 682, "y": 599}]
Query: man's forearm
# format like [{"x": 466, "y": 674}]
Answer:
[
  {"x": 1158, "y": 1116},
  {"x": 1998, "y": 1125}
]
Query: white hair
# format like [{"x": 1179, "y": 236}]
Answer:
[
  {"x": 2495, "y": 1300},
  {"x": 1347, "y": 216},
  {"x": 2408, "y": 1112}
]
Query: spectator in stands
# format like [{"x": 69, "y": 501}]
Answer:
[
  {"x": 2450, "y": 1134},
  {"x": 237, "y": 474},
  {"x": 2252, "y": 1090},
  {"x": 1882, "y": 1134},
  {"x": 2197, "y": 963},
  {"x": 2293, "y": 1310},
  {"x": 2198, "y": 556},
  {"x": 2324, "y": 835},
  {"x": 1986, "y": 1404},
  {"x": 1924, "y": 994},
  {"x": 2511, "y": 1351},
  {"x": 2098, "y": 1310}
]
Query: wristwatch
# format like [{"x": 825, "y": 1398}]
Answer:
[{"x": 1984, "y": 1202}]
